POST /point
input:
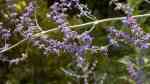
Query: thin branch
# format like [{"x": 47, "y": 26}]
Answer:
[
  {"x": 92, "y": 28},
  {"x": 74, "y": 26},
  {"x": 90, "y": 23},
  {"x": 36, "y": 21},
  {"x": 4, "y": 50}
]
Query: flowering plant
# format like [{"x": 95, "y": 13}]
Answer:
[{"x": 94, "y": 54}]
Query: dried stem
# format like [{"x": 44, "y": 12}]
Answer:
[{"x": 74, "y": 26}]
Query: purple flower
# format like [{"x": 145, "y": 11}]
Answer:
[
  {"x": 135, "y": 74},
  {"x": 118, "y": 35},
  {"x": 48, "y": 45},
  {"x": 29, "y": 10},
  {"x": 59, "y": 17},
  {"x": 26, "y": 25},
  {"x": 6, "y": 34},
  {"x": 58, "y": 14},
  {"x": 86, "y": 39},
  {"x": 138, "y": 34},
  {"x": 144, "y": 46},
  {"x": 137, "y": 37},
  {"x": 135, "y": 28}
]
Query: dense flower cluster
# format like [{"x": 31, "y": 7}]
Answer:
[
  {"x": 141, "y": 38},
  {"x": 137, "y": 37},
  {"x": 48, "y": 45},
  {"x": 58, "y": 15},
  {"x": 26, "y": 25},
  {"x": 74, "y": 43}
]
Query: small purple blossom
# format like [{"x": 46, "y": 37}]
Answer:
[
  {"x": 135, "y": 74},
  {"x": 85, "y": 37},
  {"x": 118, "y": 36},
  {"x": 25, "y": 24},
  {"x": 5, "y": 33},
  {"x": 29, "y": 10},
  {"x": 140, "y": 37},
  {"x": 137, "y": 37},
  {"x": 135, "y": 28}
]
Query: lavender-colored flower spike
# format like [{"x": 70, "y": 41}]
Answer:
[
  {"x": 135, "y": 28},
  {"x": 87, "y": 39},
  {"x": 141, "y": 38},
  {"x": 25, "y": 25},
  {"x": 135, "y": 74},
  {"x": 58, "y": 16},
  {"x": 116, "y": 35},
  {"x": 5, "y": 34},
  {"x": 29, "y": 10},
  {"x": 74, "y": 43},
  {"x": 48, "y": 45},
  {"x": 138, "y": 37}
]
